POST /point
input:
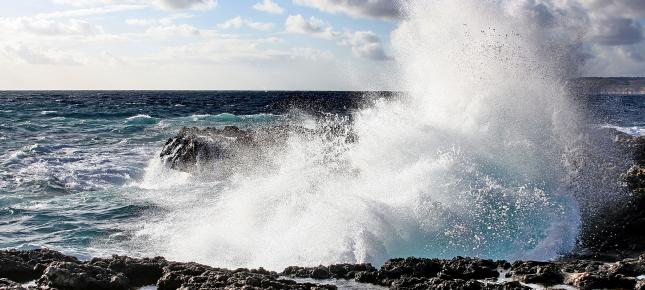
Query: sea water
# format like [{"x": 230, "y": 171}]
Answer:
[{"x": 484, "y": 152}]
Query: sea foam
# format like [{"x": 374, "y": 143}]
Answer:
[{"x": 476, "y": 158}]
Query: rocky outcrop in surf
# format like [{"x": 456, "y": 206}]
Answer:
[
  {"x": 230, "y": 147},
  {"x": 47, "y": 269},
  {"x": 473, "y": 273},
  {"x": 618, "y": 227},
  {"x": 194, "y": 146},
  {"x": 53, "y": 270}
]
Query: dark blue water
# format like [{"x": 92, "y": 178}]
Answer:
[
  {"x": 70, "y": 161},
  {"x": 66, "y": 155}
]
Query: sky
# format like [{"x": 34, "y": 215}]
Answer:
[{"x": 250, "y": 44}]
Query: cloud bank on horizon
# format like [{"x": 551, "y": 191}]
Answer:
[{"x": 258, "y": 44}]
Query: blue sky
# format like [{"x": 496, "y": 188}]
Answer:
[{"x": 245, "y": 44}]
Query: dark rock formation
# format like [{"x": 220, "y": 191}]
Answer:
[
  {"x": 69, "y": 275},
  {"x": 7, "y": 284},
  {"x": 121, "y": 272},
  {"x": 633, "y": 144},
  {"x": 616, "y": 228},
  {"x": 459, "y": 284},
  {"x": 537, "y": 272},
  {"x": 213, "y": 150},
  {"x": 472, "y": 273},
  {"x": 409, "y": 267},
  {"x": 600, "y": 281},
  {"x": 470, "y": 268},
  {"x": 192, "y": 146},
  {"x": 196, "y": 276},
  {"x": 640, "y": 285},
  {"x": 140, "y": 272},
  {"x": 635, "y": 178},
  {"x": 22, "y": 266},
  {"x": 54, "y": 270},
  {"x": 337, "y": 271}
]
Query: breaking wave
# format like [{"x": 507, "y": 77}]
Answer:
[{"x": 477, "y": 158}]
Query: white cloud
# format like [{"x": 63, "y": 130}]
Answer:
[
  {"x": 152, "y": 21},
  {"x": 84, "y": 12},
  {"x": 312, "y": 54},
  {"x": 624, "y": 60},
  {"x": 218, "y": 50},
  {"x": 367, "y": 44},
  {"x": 184, "y": 30},
  {"x": 616, "y": 31},
  {"x": 186, "y": 4},
  {"x": 239, "y": 22},
  {"x": 379, "y": 9},
  {"x": 268, "y": 6},
  {"x": 621, "y": 8},
  {"x": 48, "y": 27},
  {"x": 313, "y": 26},
  {"x": 364, "y": 44},
  {"x": 162, "y": 4},
  {"x": 38, "y": 56},
  {"x": 614, "y": 22}
]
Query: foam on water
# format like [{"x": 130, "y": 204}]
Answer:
[
  {"x": 633, "y": 130},
  {"x": 475, "y": 159}
]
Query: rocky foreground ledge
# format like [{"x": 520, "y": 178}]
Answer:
[{"x": 47, "y": 269}]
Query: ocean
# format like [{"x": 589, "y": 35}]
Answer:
[{"x": 80, "y": 172}]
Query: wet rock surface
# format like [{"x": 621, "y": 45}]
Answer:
[
  {"x": 473, "y": 273},
  {"x": 194, "y": 146},
  {"x": 121, "y": 272},
  {"x": 22, "y": 266},
  {"x": 212, "y": 149},
  {"x": 68, "y": 275},
  {"x": 617, "y": 230}
]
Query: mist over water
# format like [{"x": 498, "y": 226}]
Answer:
[{"x": 477, "y": 158}]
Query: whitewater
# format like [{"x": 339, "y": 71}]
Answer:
[
  {"x": 484, "y": 153},
  {"x": 474, "y": 159}
]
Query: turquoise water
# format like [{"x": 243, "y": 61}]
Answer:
[
  {"x": 68, "y": 157},
  {"x": 71, "y": 162}
]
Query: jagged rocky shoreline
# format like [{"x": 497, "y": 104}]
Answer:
[
  {"x": 48, "y": 269},
  {"x": 613, "y": 259}
]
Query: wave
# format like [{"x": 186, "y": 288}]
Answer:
[
  {"x": 630, "y": 130},
  {"x": 230, "y": 118},
  {"x": 141, "y": 120},
  {"x": 479, "y": 157}
]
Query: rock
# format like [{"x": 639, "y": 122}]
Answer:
[
  {"x": 192, "y": 146},
  {"x": 16, "y": 269},
  {"x": 469, "y": 268},
  {"x": 336, "y": 271},
  {"x": 514, "y": 285},
  {"x": 438, "y": 283},
  {"x": 23, "y": 266},
  {"x": 68, "y": 275},
  {"x": 320, "y": 272},
  {"x": 544, "y": 273},
  {"x": 633, "y": 144},
  {"x": 410, "y": 267},
  {"x": 628, "y": 267},
  {"x": 366, "y": 277},
  {"x": 196, "y": 276},
  {"x": 348, "y": 271},
  {"x": 140, "y": 272},
  {"x": 589, "y": 280},
  {"x": 176, "y": 274},
  {"x": 232, "y": 148},
  {"x": 7, "y": 284},
  {"x": 640, "y": 285},
  {"x": 121, "y": 272},
  {"x": 635, "y": 178}
]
